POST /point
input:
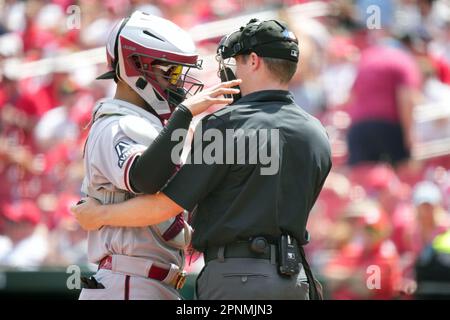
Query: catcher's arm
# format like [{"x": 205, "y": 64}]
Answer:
[{"x": 154, "y": 167}]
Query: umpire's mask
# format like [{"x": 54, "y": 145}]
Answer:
[
  {"x": 227, "y": 63},
  {"x": 269, "y": 38}
]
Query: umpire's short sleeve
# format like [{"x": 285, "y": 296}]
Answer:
[{"x": 196, "y": 179}]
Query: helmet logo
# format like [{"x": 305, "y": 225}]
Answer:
[{"x": 129, "y": 48}]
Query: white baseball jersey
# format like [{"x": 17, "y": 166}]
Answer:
[{"x": 120, "y": 132}]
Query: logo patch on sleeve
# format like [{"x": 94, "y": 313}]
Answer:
[{"x": 123, "y": 150}]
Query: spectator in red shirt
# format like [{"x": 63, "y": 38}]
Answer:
[{"x": 383, "y": 96}]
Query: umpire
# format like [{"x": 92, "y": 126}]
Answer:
[{"x": 250, "y": 225}]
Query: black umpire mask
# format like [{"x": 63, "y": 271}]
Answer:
[{"x": 227, "y": 74}]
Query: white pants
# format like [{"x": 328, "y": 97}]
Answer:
[{"x": 123, "y": 287}]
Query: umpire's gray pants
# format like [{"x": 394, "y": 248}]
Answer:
[{"x": 249, "y": 279}]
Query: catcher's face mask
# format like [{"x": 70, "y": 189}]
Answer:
[{"x": 170, "y": 79}]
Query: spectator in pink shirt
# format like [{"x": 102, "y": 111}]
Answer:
[{"x": 383, "y": 94}]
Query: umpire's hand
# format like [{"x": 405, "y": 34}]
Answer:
[
  {"x": 87, "y": 212},
  {"x": 201, "y": 101}
]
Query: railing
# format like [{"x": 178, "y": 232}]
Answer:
[{"x": 431, "y": 130}]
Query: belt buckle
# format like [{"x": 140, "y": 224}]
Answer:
[{"x": 180, "y": 280}]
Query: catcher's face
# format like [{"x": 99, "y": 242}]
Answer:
[{"x": 167, "y": 75}]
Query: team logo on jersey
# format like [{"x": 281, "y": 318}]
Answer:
[{"x": 123, "y": 151}]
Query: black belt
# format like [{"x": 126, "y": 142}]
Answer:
[{"x": 240, "y": 249}]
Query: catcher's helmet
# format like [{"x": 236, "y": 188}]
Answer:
[{"x": 153, "y": 56}]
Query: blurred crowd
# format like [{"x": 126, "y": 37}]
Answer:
[
  {"x": 379, "y": 229},
  {"x": 381, "y": 210}
]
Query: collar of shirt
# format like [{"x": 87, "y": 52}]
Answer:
[
  {"x": 267, "y": 96},
  {"x": 109, "y": 106}
]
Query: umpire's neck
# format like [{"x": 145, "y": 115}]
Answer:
[{"x": 125, "y": 93}]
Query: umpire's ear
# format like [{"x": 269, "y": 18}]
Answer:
[{"x": 254, "y": 60}]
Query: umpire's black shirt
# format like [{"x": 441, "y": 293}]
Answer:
[{"x": 235, "y": 201}]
